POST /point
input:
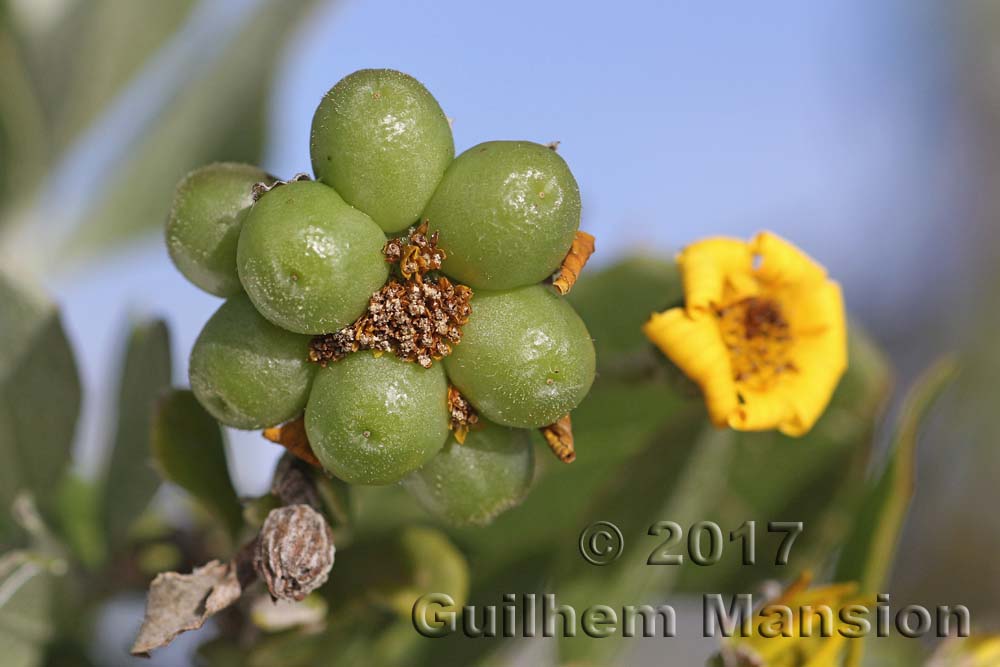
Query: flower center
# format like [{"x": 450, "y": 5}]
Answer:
[{"x": 759, "y": 341}]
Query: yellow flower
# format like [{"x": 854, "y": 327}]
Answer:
[
  {"x": 788, "y": 631},
  {"x": 762, "y": 331},
  {"x": 982, "y": 651}
]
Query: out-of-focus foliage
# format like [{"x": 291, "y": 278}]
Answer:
[
  {"x": 39, "y": 397},
  {"x": 130, "y": 480},
  {"x": 26, "y": 619},
  {"x": 190, "y": 450},
  {"x": 66, "y": 66},
  {"x": 871, "y": 545}
]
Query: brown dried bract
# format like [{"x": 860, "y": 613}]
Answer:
[
  {"x": 292, "y": 436},
  {"x": 559, "y": 437},
  {"x": 260, "y": 189},
  {"x": 293, "y": 483},
  {"x": 579, "y": 252},
  {"x": 416, "y": 254},
  {"x": 462, "y": 415}
]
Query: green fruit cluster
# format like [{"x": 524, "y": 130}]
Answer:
[{"x": 301, "y": 259}]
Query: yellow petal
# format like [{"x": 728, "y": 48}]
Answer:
[
  {"x": 760, "y": 410},
  {"x": 709, "y": 266},
  {"x": 828, "y": 654},
  {"x": 814, "y": 309},
  {"x": 695, "y": 346},
  {"x": 782, "y": 263},
  {"x": 820, "y": 361}
]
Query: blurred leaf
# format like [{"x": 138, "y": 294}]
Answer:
[
  {"x": 677, "y": 479},
  {"x": 117, "y": 37},
  {"x": 894, "y": 651},
  {"x": 64, "y": 652},
  {"x": 25, "y": 610},
  {"x": 79, "y": 521},
  {"x": 616, "y": 301},
  {"x": 190, "y": 451},
  {"x": 871, "y": 547},
  {"x": 392, "y": 570},
  {"x": 130, "y": 481},
  {"x": 23, "y": 137},
  {"x": 39, "y": 397},
  {"x": 219, "y": 115},
  {"x": 335, "y": 495}
]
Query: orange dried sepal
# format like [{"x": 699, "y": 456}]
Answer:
[
  {"x": 579, "y": 252},
  {"x": 559, "y": 437},
  {"x": 292, "y": 436}
]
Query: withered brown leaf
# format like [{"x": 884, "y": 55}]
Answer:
[{"x": 181, "y": 602}]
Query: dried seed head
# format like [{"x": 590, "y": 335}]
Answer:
[
  {"x": 417, "y": 320},
  {"x": 295, "y": 552}
]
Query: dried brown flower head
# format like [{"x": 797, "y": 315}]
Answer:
[
  {"x": 294, "y": 552},
  {"x": 417, "y": 320}
]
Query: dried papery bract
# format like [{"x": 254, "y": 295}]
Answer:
[
  {"x": 292, "y": 436},
  {"x": 295, "y": 552},
  {"x": 576, "y": 259},
  {"x": 559, "y": 437},
  {"x": 262, "y": 188},
  {"x": 461, "y": 413}
]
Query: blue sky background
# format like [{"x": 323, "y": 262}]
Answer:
[{"x": 832, "y": 122}]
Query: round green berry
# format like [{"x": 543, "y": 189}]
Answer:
[
  {"x": 526, "y": 358},
  {"x": 309, "y": 261},
  {"x": 372, "y": 420},
  {"x": 381, "y": 140},
  {"x": 507, "y": 212},
  {"x": 474, "y": 482},
  {"x": 247, "y": 372},
  {"x": 204, "y": 224}
]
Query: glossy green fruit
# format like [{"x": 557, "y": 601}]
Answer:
[
  {"x": 309, "y": 261},
  {"x": 526, "y": 358},
  {"x": 474, "y": 482},
  {"x": 205, "y": 221},
  {"x": 247, "y": 372},
  {"x": 372, "y": 420},
  {"x": 381, "y": 140},
  {"x": 507, "y": 212}
]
